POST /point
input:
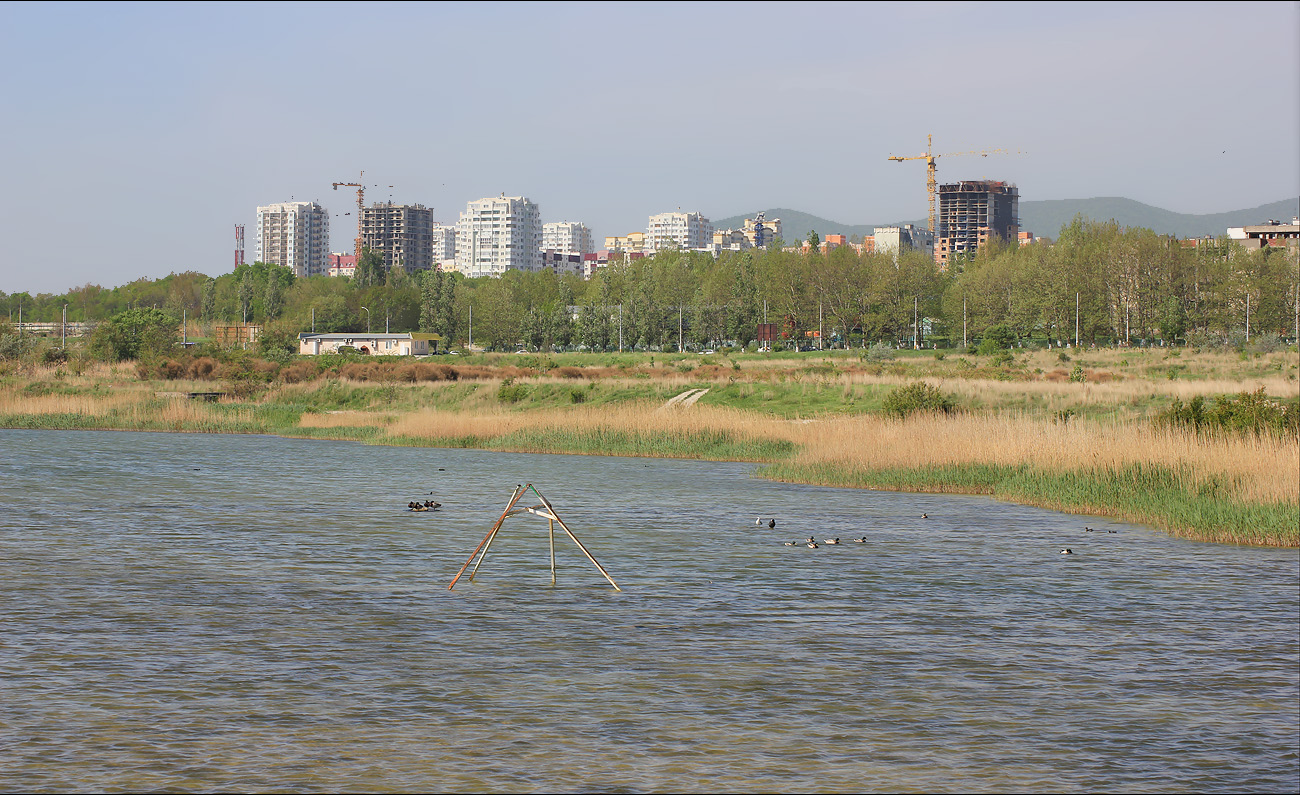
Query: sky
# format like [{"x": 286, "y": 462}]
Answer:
[{"x": 136, "y": 136}]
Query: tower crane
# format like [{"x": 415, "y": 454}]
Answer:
[
  {"x": 361, "y": 200},
  {"x": 931, "y": 183}
]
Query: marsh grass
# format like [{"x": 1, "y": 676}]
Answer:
[
  {"x": 1209, "y": 487},
  {"x": 1032, "y": 437}
]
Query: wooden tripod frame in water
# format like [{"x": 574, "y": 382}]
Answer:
[{"x": 546, "y": 511}]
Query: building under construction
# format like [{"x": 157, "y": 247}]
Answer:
[
  {"x": 971, "y": 212},
  {"x": 403, "y": 233}
]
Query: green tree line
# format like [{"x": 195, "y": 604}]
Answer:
[{"x": 1104, "y": 282}]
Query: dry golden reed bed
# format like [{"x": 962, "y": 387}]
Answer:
[{"x": 1263, "y": 469}]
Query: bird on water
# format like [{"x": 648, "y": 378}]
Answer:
[
  {"x": 771, "y": 523},
  {"x": 1066, "y": 551}
]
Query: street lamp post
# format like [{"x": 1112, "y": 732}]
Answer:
[{"x": 367, "y": 320}]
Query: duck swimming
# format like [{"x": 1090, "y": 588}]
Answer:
[
  {"x": 831, "y": 541},
  {"x": 862, "y": 540},
  {"x": 812, "y": 544},
  {"x": 771, "y": 523},
  {"x": 1066, "y": 551}
]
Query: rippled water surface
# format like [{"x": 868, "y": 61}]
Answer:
[{"x": 190, "y": 612}]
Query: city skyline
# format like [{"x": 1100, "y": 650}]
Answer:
[{"x": 170, "y": 124}]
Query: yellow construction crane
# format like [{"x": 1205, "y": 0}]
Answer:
[
  {"x": 931, "y": 183},
  {"x": 361, "y": 202}
]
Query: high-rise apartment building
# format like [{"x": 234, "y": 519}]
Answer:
[
  {"x": 567, "y": 237},
  {"x": 295, "y": 235},
  {"x": 679, "y": 231},
  {"x": 971, "y": 212},
  {"x": 444, "y": 242},
  {"x": 496, "y": 234},
  {"x": 403, "y": 233}
]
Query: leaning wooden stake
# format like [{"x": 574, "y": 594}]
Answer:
[
  {"x": 487, "y": 539},
  {"x": 545, "y": 510}
]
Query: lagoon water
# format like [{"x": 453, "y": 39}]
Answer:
[{"x": 232, "y": 613}]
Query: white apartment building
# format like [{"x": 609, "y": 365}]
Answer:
[
  {"x": 895, "y": 239},
  {"x": 567, "y": 237},
  {"x": 678, "y": 230},
  {"x": 444, "y": 242},
  {"x": 496, "y": 234},
  {"x": 295, "y": 235}
]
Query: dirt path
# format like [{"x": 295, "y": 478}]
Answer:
[{"x": 684, "y": 399}]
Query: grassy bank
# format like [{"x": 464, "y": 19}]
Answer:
[{"x": 1023, "y": 432}]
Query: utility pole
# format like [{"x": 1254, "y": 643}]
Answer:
[
  {"x": 367, "y": 320},
  {"x": 680, "y": 347},
  {"x": 916, "y": 326},
  {"x": 1076, "y": 320},
  {"x": 1248, "y": 316},
  {"x": 471, "y": 327},
  {"x": 65, "y": 327}
]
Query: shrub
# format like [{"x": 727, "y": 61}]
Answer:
[
  {"x": 880, "y": 352},
  {"x": 1268, "y": 342},
  {"x": 298, "y": 372},
  {"x": 510, "y": 392},
  {"x": 202, "y": 367},
  {"x": 1246, "y": 412},
  {"x": 914, "y": 397},
  {"x": 997, "y": 337},
  {"x": 13, "y": 345},
  {"x": 577, "y": 396},
  {"x": 1076, "y": 375},
  {"x": 55, "y": 355}
]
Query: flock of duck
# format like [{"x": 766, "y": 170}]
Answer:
[
  {"x": 427, "y": 505},
  {"x": 811, "y": 542}
]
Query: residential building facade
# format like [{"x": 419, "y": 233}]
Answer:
[
  {"x": 562, "y": 263},
  {"x": 971, "y": 213},
  {"x": 566, "y": 237},
  {"x": 342, "y": 265},
  {"x": 444, "y": 242},
  {"x": 403, "y": 233},
  {"x": 497, "y": 234},
  {"x": 685, "y": 231},
  {"x": 1272, "y": 234},
  {"x": 295, "y": 235},
  {"x": 760, "y": 232},
  {"x": 893, "y": 240},
  {"x": 633, "y": 243}
]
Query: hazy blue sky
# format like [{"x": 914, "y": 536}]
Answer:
[{"x": 135, "y": 136}]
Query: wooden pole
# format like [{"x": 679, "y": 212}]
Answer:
[
  {"x": 481, "y": 551},
  {"x": 569, "y": 532},
  {"x": 519, "y": 492}
]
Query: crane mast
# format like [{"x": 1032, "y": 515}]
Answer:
[
  {"x": 931, "y": 181},
  {"x": 361, "y": 202}
]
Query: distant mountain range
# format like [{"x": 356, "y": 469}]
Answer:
[{"x": 1045, "y": 218}]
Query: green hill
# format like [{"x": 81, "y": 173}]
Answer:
[{"x": 1045, "y": 218}]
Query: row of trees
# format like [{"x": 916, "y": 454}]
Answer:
[{"x": 1106, "y": 282}]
